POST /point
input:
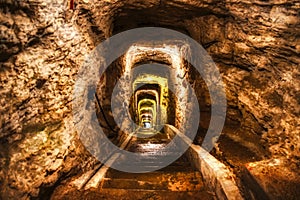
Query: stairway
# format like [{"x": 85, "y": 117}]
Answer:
[{"x": 176, "y": 181}]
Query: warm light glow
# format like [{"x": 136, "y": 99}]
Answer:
[
  {"x": 147, "y": 125},
  {"x": 172, "y": 53},
  {"x": 161, "y": 99},
  {"x": 152, "y": 147}
]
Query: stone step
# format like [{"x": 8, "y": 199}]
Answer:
[
  {"x": 152, "y": 161},
  {"x": 175, "y": 168},
  {"x": 133, "y": 184},
  {"x": 181, "y": 164},
  {"x": 151, "y": 176},
  {"x": 117, "y": 194},
  {"x": 177, "y": 179},
  {"x": 155, "y": 167},
  {"x": 172, "y": 183}
]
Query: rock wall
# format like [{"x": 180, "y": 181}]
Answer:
[
  {"x": 41, "y": 51},
  {"x": 255, "y": 47},
  {"x": 43, "y": 44}
]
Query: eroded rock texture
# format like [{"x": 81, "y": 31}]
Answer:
[{"x": 255, "y": 44}]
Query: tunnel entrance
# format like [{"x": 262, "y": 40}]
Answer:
[
  {"x": 147, "y": 77},
  {"x": 151, "y": 99}
]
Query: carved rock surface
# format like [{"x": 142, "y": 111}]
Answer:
[{"x": 255, "y": 44}]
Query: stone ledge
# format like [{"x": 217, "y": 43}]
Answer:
[
  {"x": 217, "y": 177},
  {"x": 215, "y": 174},
  {"x": 271, "y": 179}
]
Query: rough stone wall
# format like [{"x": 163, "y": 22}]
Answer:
[
  {"x": 104, "y": 91},
  {"x": 43, "y": 44},
  {"x": 41, "y": 51},
  {"x": 256, "y": 46}
]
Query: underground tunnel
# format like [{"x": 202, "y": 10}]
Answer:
[{"x": 154, "y": 107}]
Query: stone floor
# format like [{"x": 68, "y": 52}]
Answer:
[{"x": 175, "y": 181}]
